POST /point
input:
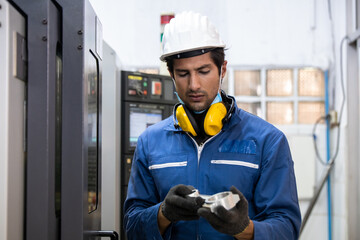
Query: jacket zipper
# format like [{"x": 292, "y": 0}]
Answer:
[
  {"x": 201, "y": 146},
  {"x": 199, "y": 150}
]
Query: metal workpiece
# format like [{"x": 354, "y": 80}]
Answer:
[{"x": 226, "y": 199}]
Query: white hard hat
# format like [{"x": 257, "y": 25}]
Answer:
[{"x": 188, "y": 32}]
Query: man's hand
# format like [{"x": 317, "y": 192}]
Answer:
[
  {"x": 231, "y": 222},
  {"x": 178, "y": 206}
]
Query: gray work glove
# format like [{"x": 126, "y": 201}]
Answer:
[
  {"x": 231, "y": 222},
  {"x": 178, "y": 206}
]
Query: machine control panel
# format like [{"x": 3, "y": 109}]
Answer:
[
  {"x": 149, "y": 87},
  {"x": 146, "y": 99}
]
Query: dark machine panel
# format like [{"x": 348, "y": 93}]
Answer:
[
  {"x": 146, "y": 100},
  {"x": 81, "y": 122}
]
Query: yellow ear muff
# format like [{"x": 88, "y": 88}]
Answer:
[
  {"x": 213, "y": 119},
  {"x": 184, "y": 121}
]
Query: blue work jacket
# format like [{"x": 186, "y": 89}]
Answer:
[{"x": 248, "y": 153}]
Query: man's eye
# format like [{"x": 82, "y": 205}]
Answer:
[
  {"x": 182, "y": 75},
  {"x": 205, "y": 72}
]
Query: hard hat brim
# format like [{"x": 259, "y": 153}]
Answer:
[{"x": 192, "y": 52}]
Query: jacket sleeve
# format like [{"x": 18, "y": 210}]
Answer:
[
  {"x": 275, "y": 197},
  {"x": 142, "y": 203}
]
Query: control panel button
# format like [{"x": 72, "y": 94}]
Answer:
[{"x": 132, "y": 92}]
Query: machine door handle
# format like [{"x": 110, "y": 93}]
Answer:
[{"x": 113, "y": 235}]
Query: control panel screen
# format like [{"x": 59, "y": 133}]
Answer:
[{"x": 140, "y": 119}]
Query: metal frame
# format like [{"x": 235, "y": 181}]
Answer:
[
  {"x": 42, "y": 33},
  {"x": 12, "y": 121},
  {"x": 72, "y": 118},
  {"x": 353, "y": 103},
  {"x": 80, "y": 43},
  {"x": 111, "y": 132}
]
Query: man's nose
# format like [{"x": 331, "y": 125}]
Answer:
[{"x": 194, "y": 82}]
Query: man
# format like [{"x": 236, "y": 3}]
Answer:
[{"x": 210, "y": 145}]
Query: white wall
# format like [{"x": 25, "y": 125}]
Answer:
[
  {"x": 261, "y": 32},
  {"x": 257, "y": 33}
]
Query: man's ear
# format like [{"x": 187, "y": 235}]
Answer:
[
  {"x": 223, "y": 68},
  {"x": 172, "y": 77},
  {"x": 171, "y": 74}
]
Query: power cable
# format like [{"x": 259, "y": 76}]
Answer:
[
  {"x": 318, "y": 157},
  {"x": 327, "y": 117}
]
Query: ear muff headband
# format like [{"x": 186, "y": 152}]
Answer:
[
  {"x": 231, "y": 109},
  {"x": 213, "y": 119}
]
